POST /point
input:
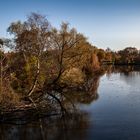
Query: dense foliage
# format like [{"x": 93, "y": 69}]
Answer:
[{"x": 43, "y": 63}]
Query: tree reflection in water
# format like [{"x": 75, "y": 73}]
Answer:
[
  {"x": 51, "y": 129},
  {"x": 124, "y": 70},
  {"x": 128, "y": 74},
  {"x": 70, "y": 127}
]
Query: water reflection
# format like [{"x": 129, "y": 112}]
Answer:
[
  {"x": 89, "y": 96},
  {"x": 73, "y": 127},
  {"x": 129, "y": 74},
  {"x": 48, "y": 129},
  {"x": 114, "y": 115},
  {"x": 125, "y": 70}
]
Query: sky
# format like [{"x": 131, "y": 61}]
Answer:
[{"x": 106, "y": 23}]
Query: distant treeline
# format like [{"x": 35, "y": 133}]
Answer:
[{"x": 127, "y": 56}]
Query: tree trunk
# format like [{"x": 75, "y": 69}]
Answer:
[{"x": 36, "y": 78}]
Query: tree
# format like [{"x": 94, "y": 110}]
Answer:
[
  {"x": 101, "y": 55},
  {"x": 128, "y": 55},
  {"x": 41, "y": 57},
  {"x": 31, "y": 40},
  {"x": 7, "y": 97},
  {"x": 63, "y": 42},
  {"x": 1, "y": 65}
]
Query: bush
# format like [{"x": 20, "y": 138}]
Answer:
[
  {"x": 8, "y": 99},
  {"x": 73, "y": 77}
]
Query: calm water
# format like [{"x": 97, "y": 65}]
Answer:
[{"x": 111, "y": 113}]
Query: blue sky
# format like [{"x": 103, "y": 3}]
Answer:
[{"x": 106, "y": 23}]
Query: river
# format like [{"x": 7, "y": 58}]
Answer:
[{"x": 111, "y": 113}]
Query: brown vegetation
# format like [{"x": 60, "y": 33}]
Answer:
[{"x": 44, "y": 63}]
